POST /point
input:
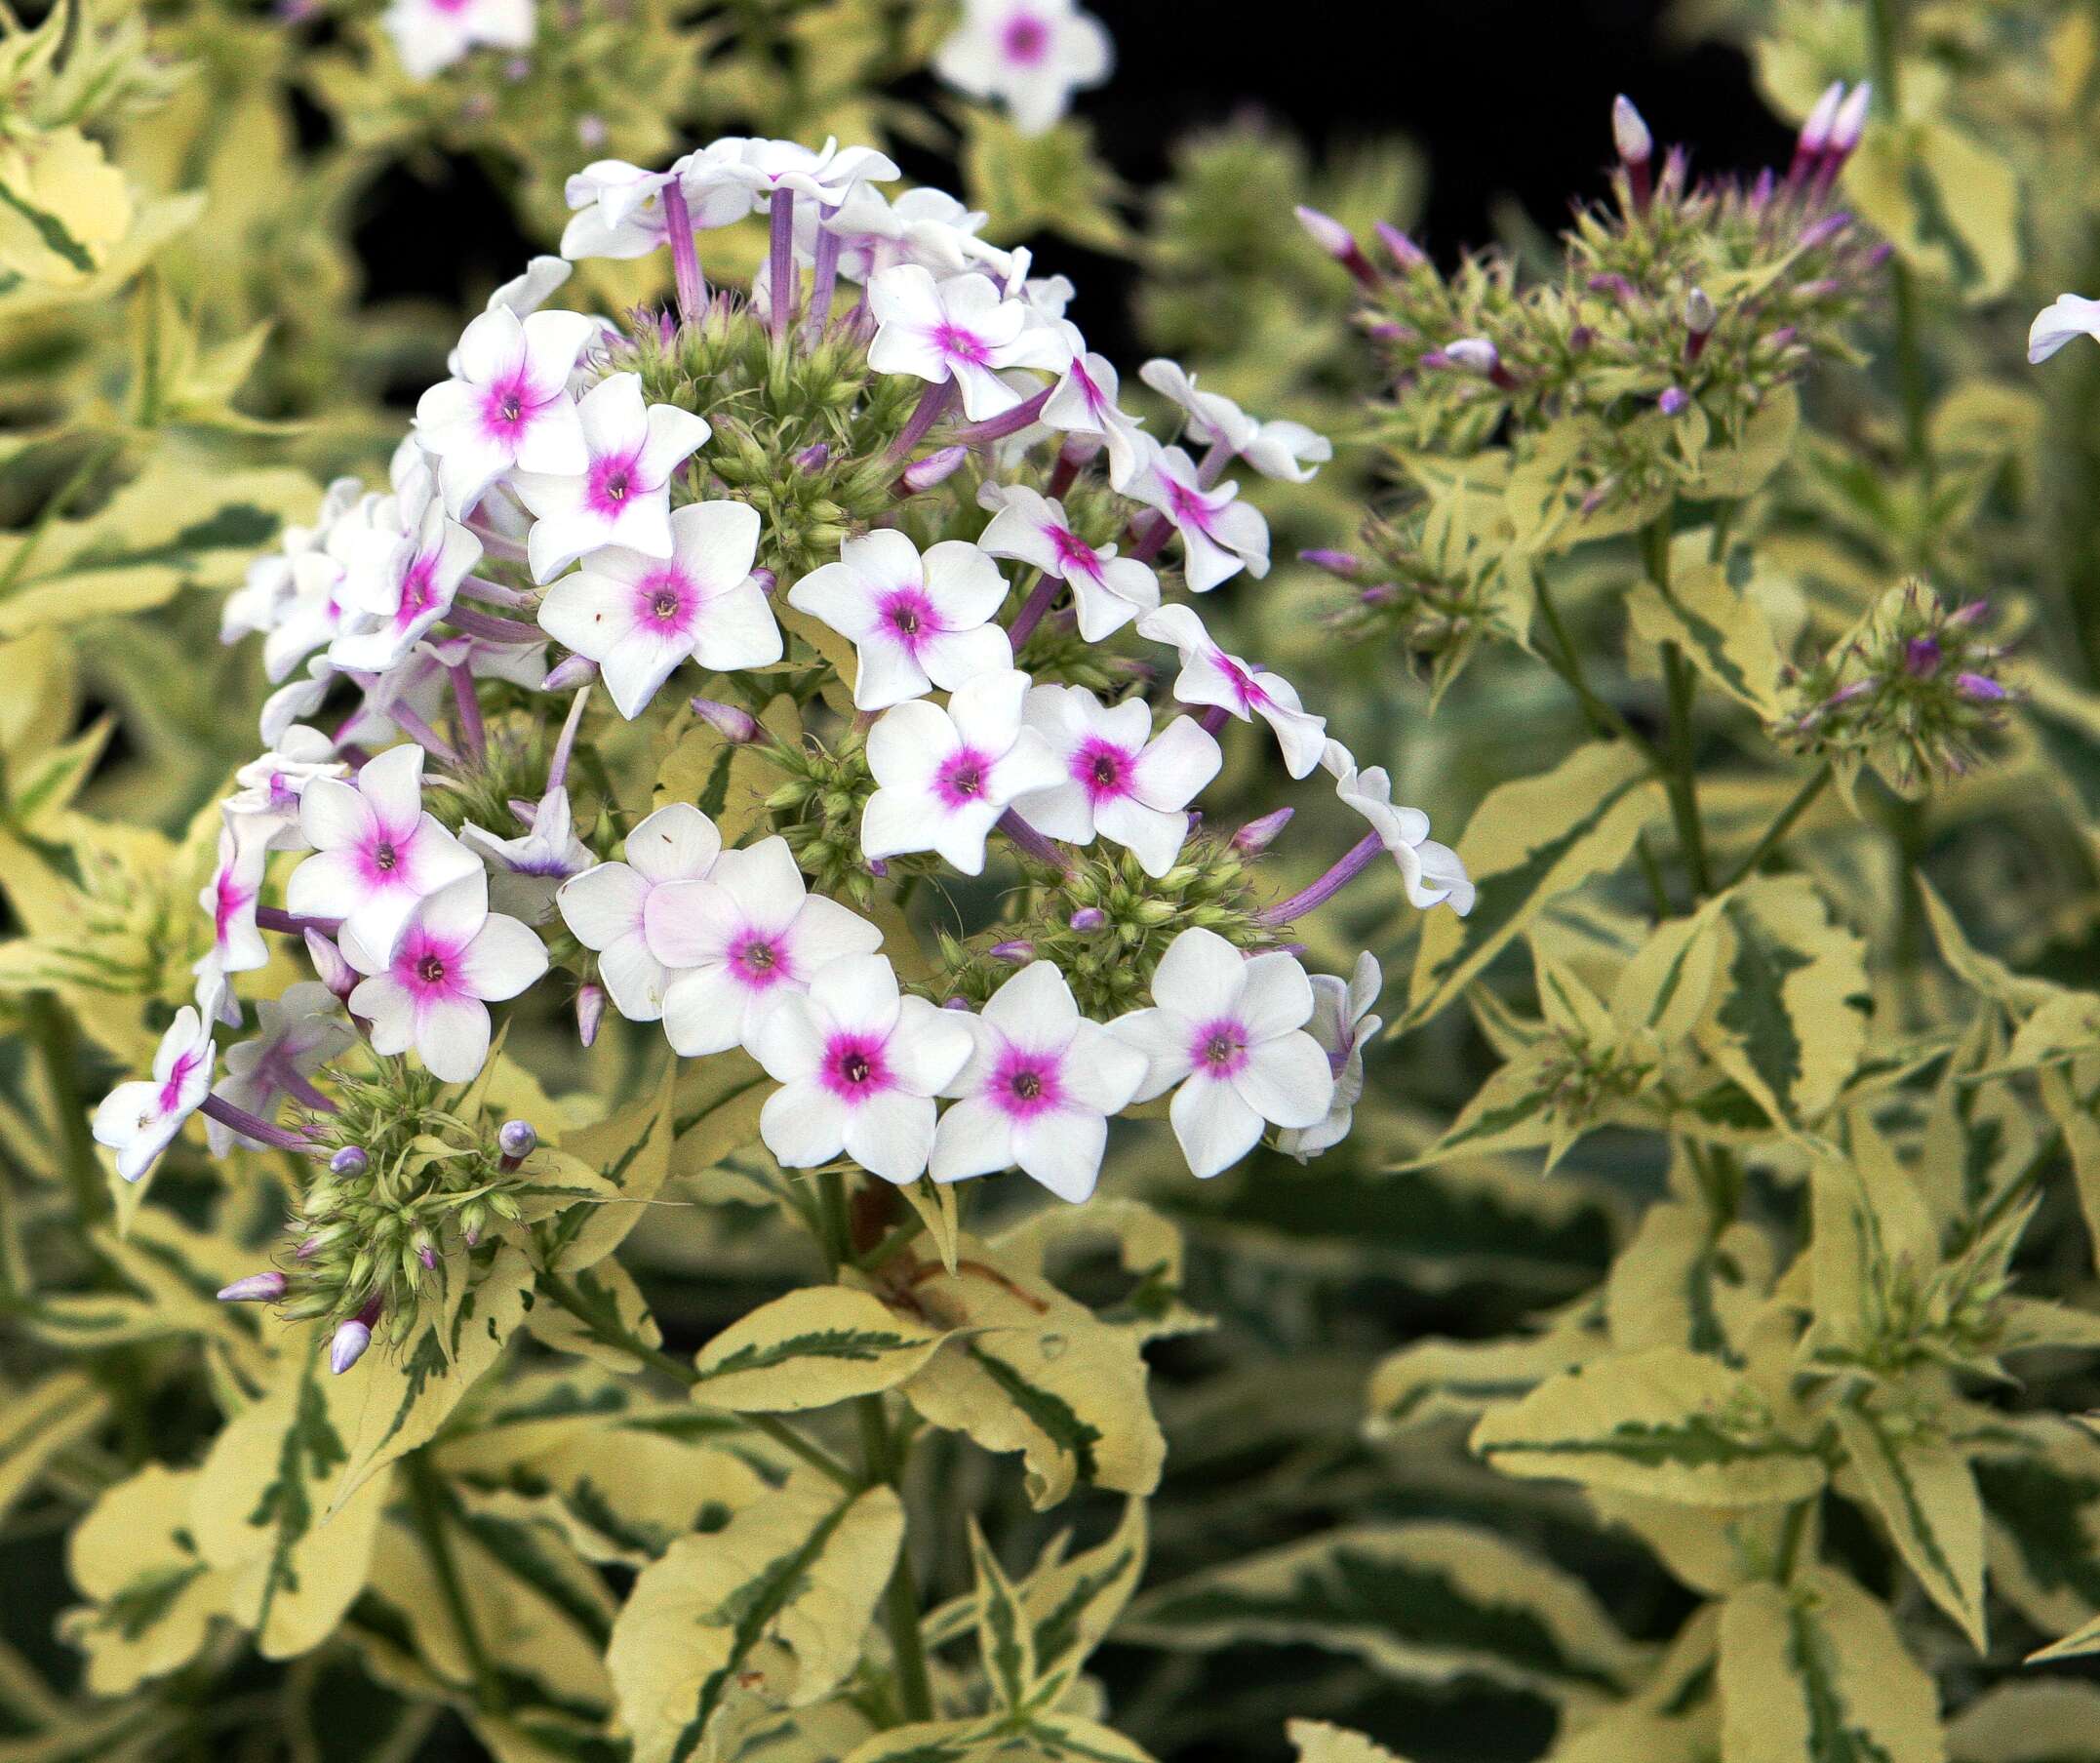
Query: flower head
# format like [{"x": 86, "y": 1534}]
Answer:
[
  {"x": 524, "y": 873},
  {"x": 1120, "y": 779},
  {"x": 1210, "y": 676},
  {"x": 405, "y": 570},
  {"x": 1432, "y": 872},
  {"x": 139, "y": 1119},
  {"x": 1279, "y": 449},
  {"x": 1221, "y": 534},
  {"x": 2069, "y": 316},
  {"x": 430, "y": 35},
  {"x": 1108, "y": 591},
  {"x": 1343, "y": 1024},
  {"x": 508, "y": 405},
  {"x": 962, "y": 330},
  {"x": 1032, "y": 55},
  {"x": 295, "y": 1035},
  {"x": 607, "y": 907}
]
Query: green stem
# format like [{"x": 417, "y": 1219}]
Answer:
[
  {"x": 900, "y": 1600},
  {"x": 835, "y": 1235},
  {"x": 892, "y": 1245},
  {"x": 1803, "y": 798},
  {"x": 1681, "y": 684},
  {"x": 429, "y": 1501}
]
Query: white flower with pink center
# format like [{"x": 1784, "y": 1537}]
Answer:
[
  {"x": 404, "y": 574},
  {"x": 1120, "y": 779},
  {"x": 947, "y": 776},
  {"x": 1343, "y": 1024},
  {"x": 430, "y": 35},
  {"x": 452, "y": 959},
  {"x": 1431, "y": 872},
  {"x": 826, "y": 175},
  {"x": 322, "y": 605},
  {"x": 231, "y": 896},
  {"x": 1221, "y": 534},
  {"x": 1230, "y": 1030},
  {"x": 1084, "y": 404},
  {"x": 622, "y": 494},
  {"x": 859, "y": 1067},
  {"x": 1031, "y": 53},
  {"x": 526, "y": 871},
  {"x": 273, "y": 786},
  {"x": 139, "y": 1119},
  {"x": 1210, "y": 676},
  {"x": 508, "y": 406},
  {"x": 1108, "y": 591},
  {"x": 296, "y": 1036},
  {"x": 638, "y": 617},
  {"x": 376, "y": 852},
  {"x": 915, "y": 623},
  {"x": 923, "y": 226},
  {"x": 748, "y": 934},
  {"x": 1279, "y": 449},
  {"x": 619, "y": 209},
  {"x": 1036, "y": 1090},
  {"x": 962, "y": 330},
  {"x": 607, "y": 907}
]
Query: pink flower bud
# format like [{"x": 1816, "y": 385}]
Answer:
[
  {"x": 328, "y": 966},
  {"x": 351, "y": 1161},
  {"x": 1922, "y": 658},
  {"x": 1630, "y": 133},
  {"x": 1404, "y": 250},
  {"x": 1257, "y": 835},
  {"x": 1674, "y": 402},
  {"x": 924, "y": 474},
  {"x": 570, "y": 672},
  {"x": 257, "y": 1288},
  {"x": 517, "y": 1141},
  {"x": 348, "y": 1346},
  {"x": 737, "y": 727},
  {"x": 1018, "y": 950},
  {"x": 1345, "y": 564},
  {"x": 1849, "y": 125},
  {"x": 813, "y": 459},
  {"x": 1476, "y": 354},
  {"x": 1339, "y": 243},
  {"x": 1087, "y": 920},
  {"x": 590, "y": 1012},
  {"x": 766, "y": 580},
  {"x": 1980, "y": 687}
]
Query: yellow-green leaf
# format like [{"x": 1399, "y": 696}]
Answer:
[{"x": 811, "y": 1348}]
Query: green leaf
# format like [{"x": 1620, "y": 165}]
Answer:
[
  {"x": 809, "y": 1350},
  {"x": 1921, "y": 1487},
  {"x": 1949, "y": 205}
]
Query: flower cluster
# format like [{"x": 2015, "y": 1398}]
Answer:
[{"x": 889, "y": 506}]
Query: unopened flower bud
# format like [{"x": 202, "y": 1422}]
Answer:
[
  {"x": 736, "y": 726},
  {"x": 1630, "y": 133},
  {"x": 1700, "y": 316},
  {"x": 257, "y": 1288},
  {"x": 517, "y": 1141},
  {"x": 1824, "y": 230},
  {"x": 924, "y": 474},
  {"x": 351, "y": 1160},
  {"x": 590, "y": 1012},
  {"x": 1087, "y": 920},
  {"x": 764, "y": 580},
  {"x": 1404, "y": 250},
  {"x": 426, "y": 1252},
  {"x": 333, "y": 971},
  {"x": 813, "y": 459},
  {"x": 570, "y": 672},
  {"x": 955, "y": 1003},
  {"x": 1973, "y": 613},
  {"x": 1257, "y": 835},
  {"x": 1849, "y": 124},
  {"x": 1674, "y": 402},
  {"x": 1017, "y": 949},
  {"x": 1922, "y": 658},
  {"x": 1815, "y": 132},
  {"x": 1476, "y": 354},
  {"x": 348, "y": 1346},
  {"x": 1339, "y": 243},
  {"x": 1345, "y": 564},
  {"x": 1980, "y": 687}
]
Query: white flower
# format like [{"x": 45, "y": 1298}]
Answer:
[
  {"x": 619, "y": 207},
  {"x": 1210, "y": 676},
  {"x": 638, "y": 617},
  {"x": 826, "y": 175},
  {"x": 2070, "y": 315},
  {"x": 295, "y": 1035},
  {"x": 376, "y": 852},
  {"x": 1342, "y": 1025},
  {"x": 1033, "y": 54},
  {"x": 1280, "y": 448},
  {"x": 915, "y": 623},
  {"x": 923, "y": 226},
  {"x": 430, "y": 35},
  {"x": 231, "y": 896},
  {"x": 962, "y": 329},
  {"x": 321, "y": 606},
  {"x": 1119, "y": 780},
  {"x": 1230, "y": 1032},
  {"x": 453, "y": 956},
  {"x": 947, "y": 776},
  {"x": 620, "y": 494},
  {"x": 1084, "y": 403},
  {"x": 1432, "y": 872},
  {"x": 508, "y": 405},
  {"x": 269, "y": 588},
  {"x": 1221, "y": 534},
  {"x": 526, "y": 293},
  {"x": 404, "y": 571},
  {"x": 1036, "y": 1090},
  {"x": 272, "y": 786},
  {"x": 525, "y": 874},
  {"x": 748, "y": 934},
  {"x": 606, "y": 906},
  {"x": 1108, "y": 591},
  {"x": 139, "y": 1119},
  {"x": 859, "y": 1067}
]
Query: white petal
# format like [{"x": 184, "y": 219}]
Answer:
[
  {"x": 604, "y": 905},
  {"x": 1161, "y": 1037},
  {"x": 704, "y": 1011},
  {"x": 928, "y": 1047},
  {"x": 676, "y": 843},
  {"x": 1062, "y": 1150},
  {"x": 804, "y": 1124},
  {"x": 1215, "y": 1129},
  {"x": 1287, "y": 1080},
  {"x": 503, "y": 959},
  {"x": 890, "y": 1135},
  {"x": 634, "y": 978},
  {"x": 859, "y": 992},
  {"x": 974, "y": 1139},
  {"x": 1275, "y": 996},
  {"x": 1200, "y": 976}
]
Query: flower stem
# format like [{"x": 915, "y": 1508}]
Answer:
[
  {"x": 1680, "y": 778},
  {"x": 900, "y": 1601},
  {"x": 823, "y": 280},
  {"x": 58, "y": 1047},
  {"x": 276, "y": 918},
  {"x": 924, "y": 414},
  {"x": 512, "y": 631},
  {"x": 1008, "y": 422},
  {"x": 1031, "y": 610},
  {"x": 1352, "y": 864},
  {"x": 254, "y": 1126},
  {"x": 429, "y": 1502},
  {"x": 473, "y": 735},
  {"x": 685, "y": 253},
  {"x": 1803, "y": 798},
  {"x": 1028, "y": 839},
  {"x": 780, "y": 266}
]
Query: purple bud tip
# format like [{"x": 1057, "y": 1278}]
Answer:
[
  {"x": 1017, "y": 950},
  {"x": 1402, "y": 250},
  {"x": 1922, "y": 658},
  {"x": 426, "y": 1255},
  {"x": 308, "y": 1250},
  {"x": 590, "y": 1012},
  {"x": 1850, "y": 122},
  {"x": 878, "y": 868},
  {"x": 813, "y": 459},
  {"x": 1980, "y": 687},
  {"x": 1824, "y": 230},
  {"x": 739, "y": 727},
  {"x": 527, "y": 811},
  {"x": 1345, "y": 564},
  {"x": 766, "y": 580},
  {"x": 328, "y": 966},
  {"x": 1328, "y": 233},
  {"x": 471, "y": 1238},
  {"x": 349, "y": 1161},
  {"x": 348, "y": 1346},
  {"x": 1079, "y": 449},
  {"x": 1476, "y": 354},
  {"x": 1975, "y": 613},
  {"x": 1379, "y": 593},
  {"x": 1674, "y": 402},
  {"x": 1087, "y": 920},
  {"x": 1815, "y": 132},
  {"x": 924, "y": 474},
  {"x": 257, "y": 1288},
  {"x": 517, "y": 1139},
  {"x": 955, "y": 1003},
  {"x": 1630, "y": 133},
  {"x": 1845, "y": 695},
  {"x": 1257, "y": 835},
  {"x": 570, "y": 672}
]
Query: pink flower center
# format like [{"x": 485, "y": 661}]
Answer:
[
  {"x": 959, "y": 344},
  {"x": 1188, "y": 507},
  {"x": 508, "y": 405},
  {"x": 1219, "y": 1047},
  {"x": 665, "y": 601},
  {"x": 1101, "y": 770},
  {"x": 428, "y": 968},
  {"x": 418, "y": 592},
  {"x": 1026, "y": 39},
  {"x": 1025, "y": 1084},
  {"x": 384, "y": 857},
  {"x": 1243, "y": 683},
  {"x": 229, "y": 898},
  {"x": 854, "y": 1068},
  {"x": 171, "y": 1091},
  {"x": 760, "y": 962},
  {"x": 908, "y": 612},
  {"x": 959, "y": 782},
  {"x": 613, "y": 483},
  {"x": 1073, "y": 552}
]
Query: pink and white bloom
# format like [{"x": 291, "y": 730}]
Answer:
[
  {"x": 404, "y": 574},
  {"x": 430, "y": 35},
  {"x": 947, "y": 776},
  {"x": 269, "y": 588},
  {"x": 2069, "y": 316},
  {"x": 432, "y": 993},
  {"x": 1084, "y": 403},
  {"x": 859, "y": 1067},
  {"x": 524, "y": 873},
  {"x": 1230, "y": 1030},
  {"x": 376, "y": 852},
  {"x": 621, "y": 493},
  {"x": 139, "y": 1119},
  {"x": 1036, "y": 1090},
  {"x": 296, "y": 1036},
  {"x": 748, "y": 934},
  {"x": 1221, "y": 534},
  {"x": 1280, "y": 448},
  {"x": 826, "y": 175},
  {"x": 1432, "y": 872},
  {"x": 606, "y": 907},
  {"x": 1033, "y": 54},
  {"x": 1210, "y": 676},
  {"x": 638, "y": 617},
  {"x": 1343, "y": 1024},
  {"x": 962, "y": 330},
  {"x": 1119, "y": 781},
  {"x": 508, "y": 406},
  {"x": 273, "y": 786},
  {"x": 915, "y": 623},
  {"x": 231, "y": 896},
  {"x": 923, "y": 226},
  {"x": 619, "y": 209},
  {"x": 1108, "y": 591}
]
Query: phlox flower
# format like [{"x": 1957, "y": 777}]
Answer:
[
  {"x": 1343, "y": 1024},
  {"x": 2068, "y": 316},
  {"x": 404, "y": 571},
  {"x": 945, "y": 776},
  {"x": 1108, "y": 591},
  {"x": 915, "y": 623},
  {"x": 524, "y": 873},
  {"x": 1033, "y": 54},
  {"x": 620, "y": 494},
  {"x": 606, "y": 906},
  {"x": 923, "y": 226},
  {"x": 619, "y": 207},
  {"x": 1280, "y": 448},
  {"x": 270, "y": 587},
  {"x": 508, "y": 405},
  {"x": 1210, "y": 676},
  {"x": 431, "y": 993},
  {"x": 230, "y": 897},
  {"x": 1230, "y": 1032},
  {"x": 1432, "y": 872},
  {"x": 1221, "y": 534},
  {"x": 1084, "y": 404},
  {"x": 748, "y": 934},
  {"x": 1037, "y": 1089},
  {"x": 826, "y": 175},
  {"x": 1120, "y": 779},
  {"x": 296, "y": 1036},
  {"x": 962, "y": 330},
  {"x": 430, "y": 35},
  {"x": 859, "y": 1067},
  {"x": 376, "y": 852},
  {"x": 638, "y": 617},
  {"x": 321, "y": 607},
  {"x": 272, "y": 785},
  {"x": 139, "y": 1119}
]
